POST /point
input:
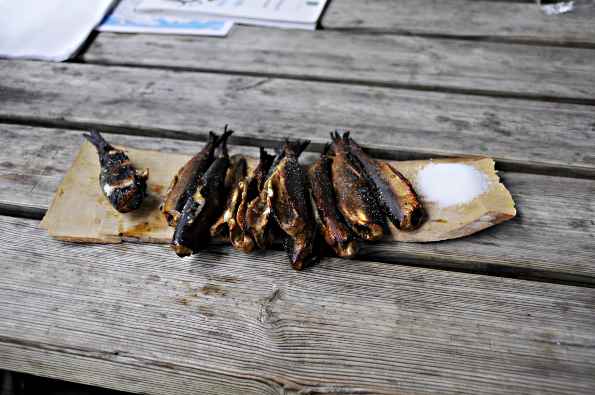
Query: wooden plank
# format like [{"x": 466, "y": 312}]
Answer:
[
  {"x": 555, "y": 73},
  {"x": 520, "y": 21},
  {"x": 397, "y": 122},
  {"x": 552, "y": 235},
  {"x": 253, "y": 325},
  {"x": 80, "y": 213}
]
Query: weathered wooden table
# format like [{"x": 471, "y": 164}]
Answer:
[{"x": 510, "y": 310}]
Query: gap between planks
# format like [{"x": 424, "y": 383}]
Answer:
[
  {"x": 497, "y": 20},
  {"x": 354, "y": 82},
  {"x": 533, "y": 240},
  {"x": 87, "y": 312},
  {"x": 548, "y": 74},
  {"x": 401, "y": 153},
  {"x": 121, "y": 98},
  {"x": 372, "y": 31}
]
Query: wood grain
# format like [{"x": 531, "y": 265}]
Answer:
[
  {"x": 553, "y": 73},
  {"x": 253, "y": 325},
  {"x": 510, "y": 21},
  {"x": 551, "y": 237},
  {"x": 79, "y": 211},
  {"x": 402, "y": 124}
]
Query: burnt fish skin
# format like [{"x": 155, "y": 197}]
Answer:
[
  {"x": 393, "y": 191},
  {"x": 226, "y": 223},
  {"x": 257, "y": 217},
  {"x": 187, "y": 175},
  {"x": 291, "y": 205},
  {"x": 123, "y": 185},
  {"x": 251, "y": 188},
  {"x": 203, "y": 206},
  {"x": 335, "y": 231},
  {"x": 354, "y": 194}
]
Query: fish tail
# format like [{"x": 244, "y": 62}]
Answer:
[
  {"x": 213, "y": 137},
  {"x": 97, "y": 140},
  {"x": 295, "y": 147},
  {"x": 265, "y": 156},
  {"x": 346, "y": 138},
  {"x": 222, "y": 142}
]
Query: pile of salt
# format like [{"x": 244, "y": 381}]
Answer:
[{"x": 450, "y": 184}]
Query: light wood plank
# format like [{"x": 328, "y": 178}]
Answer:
[
  {"x": 551, "y": 237},
  {"x": 398, "y": 123},
  {"x": 340, "y": 327},
  {"x": 391, "y": 60},
  {"x": 519, "y": 21}
]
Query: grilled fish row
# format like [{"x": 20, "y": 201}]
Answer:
[{"x": 345, "y": 197}]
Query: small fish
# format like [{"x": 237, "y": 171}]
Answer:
[
  {"x": 249, "y": 189},
  {"x": 355, "y": 198},
  {"x": 226, "y": 225},
  {"x": 123, "y": 185},
  {"x": 188, "y": 175},
  {"x": 254, "y": 213},
  {"x": 393, "y": 191},
  {"x": 335, "y": 231},
  {"x": 204, "y": 204},
  {"x": 291, "y": 205}
]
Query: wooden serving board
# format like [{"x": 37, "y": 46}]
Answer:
[{"x": 80, "y": 213}]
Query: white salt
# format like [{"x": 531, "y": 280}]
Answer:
[{"x": 450, "y": 184}]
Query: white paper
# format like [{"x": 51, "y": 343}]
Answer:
[
  {"x": 126, "y": 19},
  {"x": 558, "y": 8},
  {"x": 283, "y": 13},
  {"x": 47, "y": 29}
]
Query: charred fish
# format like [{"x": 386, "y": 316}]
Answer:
[
  {"x": 335, "y": 231},
  {"x": 393, "y": 191},
  {"x": 185, "y": 181},
  {"x": 123, "y": 185},
  {"x": 289, "y": 200},
  {"x": 354, "y": 195},
  {"x": 203, "y": 205}
]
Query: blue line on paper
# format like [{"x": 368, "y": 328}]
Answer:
[{"x": 112, "y": 20}]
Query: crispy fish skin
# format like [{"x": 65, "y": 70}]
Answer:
[
  {"x": 248, "y": 189},
  {"x": 235, "y": 174},
  {"x": 189, "y": 174},
  {"x": 254, "y": 213},
  {"x": 393, "y": 191},
  {"x": 203, "y": 206},
  {"x": 259, "y": 214},
  {"x": 291, "y": 206},
  {"x": 354, "y": 195},
  {"x": 123, "y": 185},
  {"x": 332, "y": 224}
]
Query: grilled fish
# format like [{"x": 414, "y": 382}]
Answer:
[
  {"x": 259, "y": 214},
  {"x": 123, "y": 185},
  {"x": 354, "y": 195},
  {"x": 290, "y": 202},
  {"x": 226, "y": 224},
  {"x": 335, "y": 231},
  {"x": 189, "y": 174},
  {"x": 249, "y": 189},
  {"x": 203, "y": 205},
  {"x": 393, "y": 191}
]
